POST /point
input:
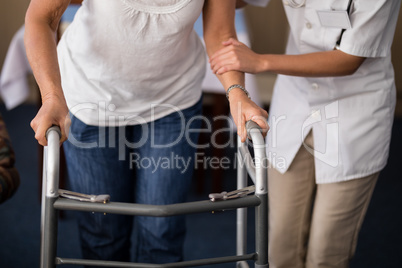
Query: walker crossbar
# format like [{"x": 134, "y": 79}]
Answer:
[
  {"x": 200, "y": 262},
  {"x": 52, "y": 202},
  {"x": 157, "y": 210}
]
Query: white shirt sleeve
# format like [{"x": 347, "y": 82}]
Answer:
[
  {"x": 260, "y": 3},
  {"x": 373, "y": 27}
]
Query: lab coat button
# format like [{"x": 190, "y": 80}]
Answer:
[
  {"x": 308, "y": 25},
  {"x": 314, "y": 86}
]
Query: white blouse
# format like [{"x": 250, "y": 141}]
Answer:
[{"x": 126, "y": 62}]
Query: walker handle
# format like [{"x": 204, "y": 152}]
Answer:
[
  {"x": 53, "y": 128},
  {"x": 250, "y": 126}
]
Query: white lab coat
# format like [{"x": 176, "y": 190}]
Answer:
[{"x": 351, "y": 117}]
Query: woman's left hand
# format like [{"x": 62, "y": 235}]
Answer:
[{"x": 243, "y": 109}]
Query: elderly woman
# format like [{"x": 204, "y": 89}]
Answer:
[{"x": 130, "y": 73}]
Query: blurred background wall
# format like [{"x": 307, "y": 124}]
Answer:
[{"x": 12, "y": 15}]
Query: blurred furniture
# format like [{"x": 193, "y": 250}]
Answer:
[{"x": 14, "y": 85}]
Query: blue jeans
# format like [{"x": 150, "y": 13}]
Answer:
[{"x": 134, "y": 165}]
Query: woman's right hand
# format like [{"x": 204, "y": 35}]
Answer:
[
  {"x": 236, "y": 56},
  {"x": 54, "y": 111}
]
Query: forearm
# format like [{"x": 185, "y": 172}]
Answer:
[
  {"x": 229, "y": 78},
  {"x": 214, "y": 36},
  {"x": 318, "y": 64},
  {"x": 41, "y": 23},
  {"x": 41, "y": 48},
  {"x": 42, "y": 56},
  {"x": 218, "y": 17}
]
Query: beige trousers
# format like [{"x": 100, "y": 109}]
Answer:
[{"x": 314, "y": 225}]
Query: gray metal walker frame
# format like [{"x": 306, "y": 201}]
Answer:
[{"x": 52, "y": 202}]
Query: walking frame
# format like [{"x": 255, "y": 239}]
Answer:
[{"x": 52, "y": 202}]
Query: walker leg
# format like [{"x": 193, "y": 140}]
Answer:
[
  {"x": 48, "y": 234},
  {"x": 241, "y": 215},
  {"x": 50, "y": 185},
  {"x": 261, "y": 235}
]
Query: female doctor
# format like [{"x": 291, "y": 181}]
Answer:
[{"x": 330, "y": 119}]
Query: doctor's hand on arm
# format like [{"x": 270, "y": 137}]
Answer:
[
  {"x": 41, "y": 22},
  {"x": 236, "y": 56},
  {"x": 218, "y": 25}
]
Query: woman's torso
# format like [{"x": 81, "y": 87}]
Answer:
[{"x": 128, "y": 59}]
